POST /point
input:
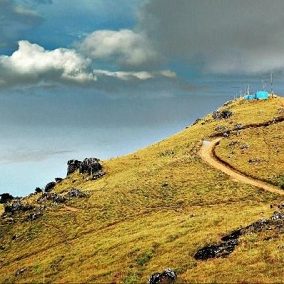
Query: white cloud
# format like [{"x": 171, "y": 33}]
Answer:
[
  {"x": 141, "y": 75},
  {"x": 125, "y": 46},
  {"x": 31, "y": 64}
]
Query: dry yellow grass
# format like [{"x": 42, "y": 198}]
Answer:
[
  {"x": 152, "y": 210},
  {"x": 257, "y": 152}
]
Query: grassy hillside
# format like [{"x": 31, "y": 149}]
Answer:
[
  {"x": 152, "y": 210},
  {"x": 257, "y": 152}
]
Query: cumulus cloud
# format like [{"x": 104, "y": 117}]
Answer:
[
  {"x": 222, "y": 36},
  {"x": 126, "y": 47},
  {"x": 32, "y": 64}
]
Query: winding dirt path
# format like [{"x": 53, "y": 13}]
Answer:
[{"x": 207, "y": 154}]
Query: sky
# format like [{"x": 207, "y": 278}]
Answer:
[{"x": 104, "y": 78}]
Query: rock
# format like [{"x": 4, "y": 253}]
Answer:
[
  {"x": 196, "y": 121},
  {"x": 58, "y": 180},
  {"x": 53, "y": 197},
  {"x": 217, "y": 250},
  {"x": 90, "y": 166},
  {"x": 35, "y": 215},
  {"x": 230, "y": 241},
  {"x": 49, "y": 186},
  {"x": 225, "y": 134},
  {"x": 238, "y": 126},
  {"x": 17, "y": 206},
  {"x": 73, "y": 165},
  {"x": 255, "y": 161},
  {"x": 244, "y": 146},
  {"x": 168, "y": 276},
  {"x": 20, "y": 271},
  {"x": 38, "y": 190},
  {"x": 221, "y": 128},
  {"x": 224, "y": 114},
  {"x": 76, "y": 193},
  {"x": 5, "y": 198}
]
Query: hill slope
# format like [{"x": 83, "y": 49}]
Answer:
[{"x": 152, "y": 210}]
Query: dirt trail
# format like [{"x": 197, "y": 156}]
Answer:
[{"x": 207, "y": 154}]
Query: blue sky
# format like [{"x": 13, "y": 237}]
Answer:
[{"x": 104, "y": 78}]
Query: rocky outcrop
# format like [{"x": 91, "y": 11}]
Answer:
[
  {"x": 229, "y": 242},
  {"x": 89, "y": 166},
  {"x": 168, "y": 276},
  {"x": 16, "y": 206},
  {"x": 72, "y": 166},
  {"x": 223, "y": 114}
]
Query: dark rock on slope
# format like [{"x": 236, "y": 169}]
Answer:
[
  {"x": 5, "y": 197},
  {"x": 224, "y": 114},
  {"x": 168, "y": 276},
  {"x": 49, "y": 186},
  {"x": 230, "y": 241},
  {"x": 73, "y": 165},
  {"x": 90, "y": 166}
]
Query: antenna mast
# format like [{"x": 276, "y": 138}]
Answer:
[{"x": 271, "y": 83}]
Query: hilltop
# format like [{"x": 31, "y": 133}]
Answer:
[{"x": 160, "y": 207}]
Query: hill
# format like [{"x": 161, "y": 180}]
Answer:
[{"x": 158, "y": 207}]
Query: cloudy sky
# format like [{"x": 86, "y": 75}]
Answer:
[{"x": 106, "y": 77}]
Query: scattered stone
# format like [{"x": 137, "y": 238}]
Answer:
[
  {"x": 73, "y": 165},
  {"x": 219, "y": 250},
  {"x": 254, "y": 161},
  {"x": 224, "y": 114},
  {"x": 238, "y": 127},
  {"x": 221, "y": 128},
  {"x": 17, "y": 206},
  {"x": 225, "y": 134},
  {"x": 244, "y": 146},
  {"x": 168, "y": 276},
  {"x": 49, "y": 186},
  {"x": 76, "y": 193},
  {"x": 58, "y": 180},
  {"x": 233, "y": 143},
  {"x": 53, "y": 197},
  {"x": 35, "y": 215},
  {"x": 230, "y": 241},
  {"x": 20, "y": 271},
  {"x": 196, "y": 121},
  {"x": 5, "y": 198}
]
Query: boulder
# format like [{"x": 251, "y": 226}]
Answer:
[
  {"x": 53, "y": 197},
  {"x": 58, "y": 180},
  {"x": 75, "y": 193},
  {"x": 17, "y": 206},
  {"x": 72, "y": 166},
  {"x": 224, "y": 114},
  {"x": 5, "y": 198},
  {"x": 38, "y": 190},
  {"x": 49, "y": 186},
  {"x": 34, "y": 215},
  {"x": 168, "y": 276},
  {"x": 90, "y": 166}
]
